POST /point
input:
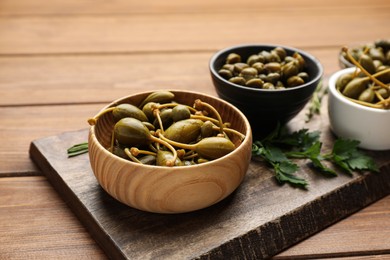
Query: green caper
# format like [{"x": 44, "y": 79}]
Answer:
[
  {"x": 166, "y": 118},
  {"x": 301, "y": 61},
  {"x": 272, "y": 67},
  {"x": 165, "y": 156},
  {"x": 342, "y": 81},
  {"x": 128, "y": 110},
  {"x": 248, "y": 73},
  {"x": 368, "y": 95},
  {"x": 131, "y": 132},
  {"x": 280, "y": 52},
  {"x": 214, "y": 147},
  {"x": 148, "y": 110},
  {"x": 158, "y": 97},
  {"x": 184, "y": 131},
  {"x": 268, "y": 85},
  {"x": 272, "y": 78},
  {"x": 150, "y": 159},
  {"x": 355, "y": 87},
  {"x": 237, "y": 80},
  {"x": 255, "y": 83},
  {"x": 253, "y": 59},
  {"x": 229, "y": 67},
  {"x": 384, "y": 93},
  {"x": 266, "y": 55},
  {"x": 207, "y": 130},
  {"x": 304, "y": 76},
  {"x": 239, "y": 66},
  {"x": 226, "y": 74},
  {"x": 289, "y": 69},
  {"x": 259, "y": 66},
  {"x": 295, "y": 81},
  {"x": 180, "y": 112},
  {"x": 367, "y": 63},
  {"x": 233, "y": 58},
  {"x": 377, "y": 54}
]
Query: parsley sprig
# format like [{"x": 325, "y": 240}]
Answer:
[{"x": 280, "y": 148}]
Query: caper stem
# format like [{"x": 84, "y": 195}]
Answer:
[
  {"x": 156, "y": 113},
  {"x": 92, "y": 121},
  {"x": 135, "y": 151},
  {"x": 233, "y": 131},
  {"x": 200, "y": 103},
  {"x": 357, "y": 64},
  {"x": 175, "y": 104},
  {"x": 177, "y": 144},
  {"x": 168, "y": 145},
  {"x": 131, "y": 156}
]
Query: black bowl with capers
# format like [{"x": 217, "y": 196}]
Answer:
[{"x": 270, "y": 84}]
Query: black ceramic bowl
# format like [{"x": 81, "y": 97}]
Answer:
[{"x": 265, "y": 108}]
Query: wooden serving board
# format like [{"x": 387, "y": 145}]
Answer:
[{"x": 258, "y": 220}]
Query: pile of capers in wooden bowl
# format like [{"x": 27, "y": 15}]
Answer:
[
  {"x": 169, "y": 151},
  {"x": 269, "y": 83},
  {"x": 359, "y": 102}
]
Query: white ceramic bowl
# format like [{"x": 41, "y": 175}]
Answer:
[{"x": 349, "y": 120}]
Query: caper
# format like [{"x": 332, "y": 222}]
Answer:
[
  {"x": 128, "y": 110},
  {"x": 131, "y": 132},
  {"x": 180, "y": 112},
  {"x": 165, "y": 156},
  {"x": 166, "y": 118},
  {"x": 248, "y": 73},
  {"x": 229, "y": 67},
  {"x": 150, "y": 159},
  {"x": 253, "y": 59},
  {"x": 368, "y": 95},
  {"x": 304, "y": 76},
  {"x": 280, "y": 52},
  {"x": 272, "y": 67},
  {"x": 207, "y": 130},
  {"x": 266, "y": 55},
  {"x": 295, "y": 81},
  {"x": 237, "y": 80},
  {"x": 342, "y": 81},
  {"x": 214, "y": 147},
  {"x": 239, "y": 66},
  {"x": 119, "y": 151},
  {"x": 255, "y": 83},
  {"x": 233, "y": 58},
  {"x": 272, "y": 78},
  {"x": 158, "y": 97},
  {"x": 268, "y": 85},
  {"x": 383, "y": 92},
  {"x": 377, "y": 54},
  {"x": 148, "y": 110},
  {"x": 289, "y": 69},
  {"x": 259, "y": 66},
  {"x": 184, "y": 131},
  {"x": 367, "y": 63},
  {"x": 300, "y": 59},
  {"x": 226, "y": 74},
  {"x": 355, "y": 87}
]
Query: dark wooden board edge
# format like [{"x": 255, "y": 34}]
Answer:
[
  {"x": 73, "y": 202},
  {"x": 261, "y": 242},
  {"x": 362, "y": 193}
]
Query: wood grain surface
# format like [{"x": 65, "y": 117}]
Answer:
[{"x": 61, "y": 61}]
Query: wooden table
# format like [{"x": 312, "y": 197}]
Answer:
[{"x": 61, "y": 61}]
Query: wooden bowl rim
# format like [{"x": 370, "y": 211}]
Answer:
[{"x": 241, "y": 148}]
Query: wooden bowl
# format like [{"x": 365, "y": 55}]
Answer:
[{"x": 170, "y": 189}]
